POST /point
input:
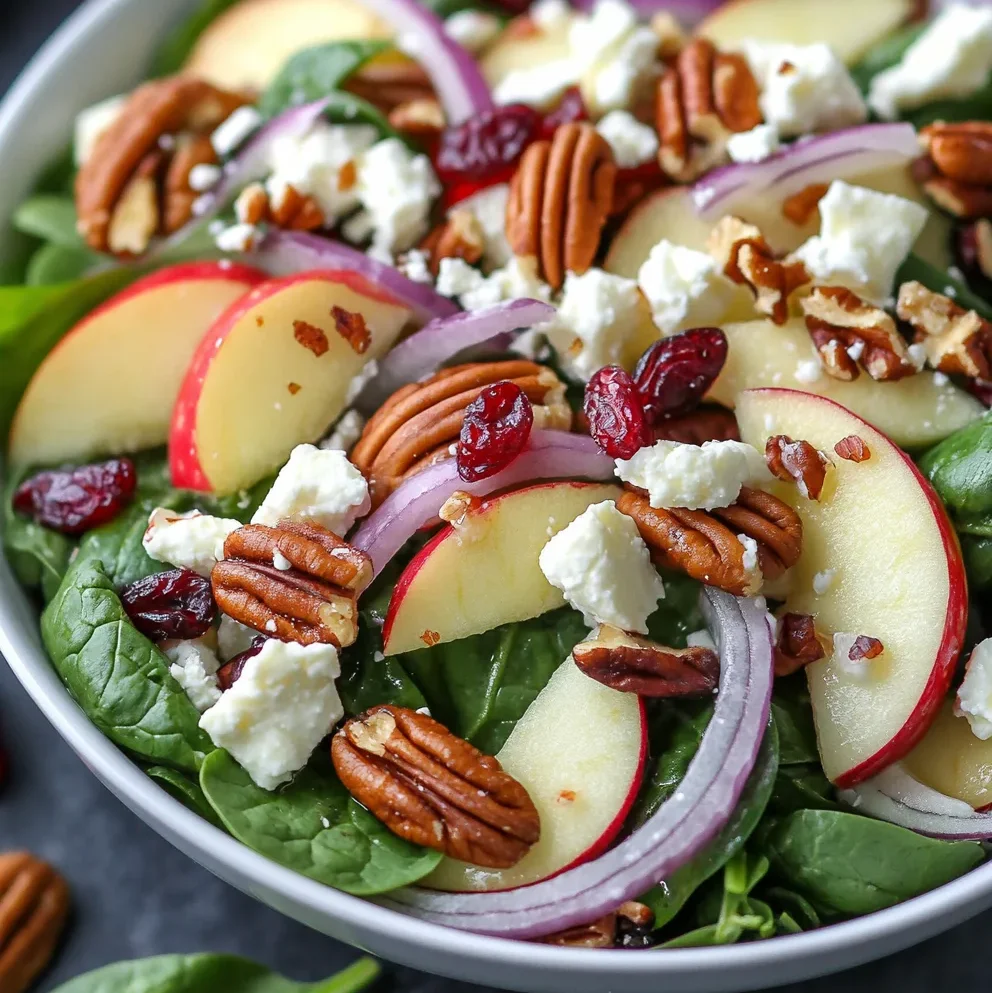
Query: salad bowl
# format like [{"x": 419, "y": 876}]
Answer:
[{"x": 102, "y": 49}]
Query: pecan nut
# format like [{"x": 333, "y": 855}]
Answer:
[
  {"x": 632, "y": 664},
  {"x": 964, "y": 200},
  {"x": 560, "y": 197},
  {"x": 459, "y": 237},
  {"x": 388, "y": 84},
  {"x": 290, "y": 210},
  {"x": 421, "y": 422},
  {"x": 34, "y": 903},
  {"x": 433, "y": 788},
  {"x": 627, "y": 926},
  {"x": 296, "y": 582},
  {"x": 421, "y": 118},
  {"x": 853, "y": 449},
  {"x": 707, "y": 423},
  {"x": 849, "y": 332},
  {"x": 800, "y": 207},
  {"x": 797, "y": 644},
  {"x": 797, "y": 462}
]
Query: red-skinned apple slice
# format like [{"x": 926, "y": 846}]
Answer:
[
  {"x": 272, "y": 372},
  {"x": 891, "y": 566},
  {"x": 110, "y": 384},
  {"x": 579, "y": 750},
  {"x": 485, "y": 572}
]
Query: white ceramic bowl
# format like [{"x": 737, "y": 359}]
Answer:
[{"x": 99, "y": 51}]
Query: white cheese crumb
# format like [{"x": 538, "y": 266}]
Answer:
[
  {"x": 550, "y": 15},
  {"x": 472, "y": 29},
  {"x": 237, "y": 238},
  {"x": 700, "y": 639},
  {"x": 756, "y": 145},
  {"x": 488, "y": 207},
  {"x": 808, "y": 371},
  {"x": 633, "y": 143},
  {"x": 233, "y": 637},
  {"x": 751, "y": 564},
  {"x": 346, "y": 432},
  {"x": 360, "y": 380},
  {"x": 187, "y": 541},
  {"x": 974, "y": 699},
  {"x": 281, "y": 562},
  {"x": 518, "y": 278},
  {"x": 414, "y": 267},
  {"x": 822, "y": 581},
  {"x": 91, "y": 123},
  {"x": 204, "y": 176},
  {"x": 232, "y": 132},
  {"x": 194, "y": 666}
]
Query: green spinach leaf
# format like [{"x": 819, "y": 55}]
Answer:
[
  {"x": 801, "y": 787},
  {"x": 678, "y": 615},
  {"x": 313, "y": 826},
  {"x": 960, "y": 468},
  {"x": 885, "y": 55},
  {"x": 53, "y": 263},
  {"x": 49, "y": 217},
  {"x": 179, "y": 43},
  {"x": 346, "y": 108},
  {"x": 794, "y": 720},
  {"x": 187, "y": 791}
]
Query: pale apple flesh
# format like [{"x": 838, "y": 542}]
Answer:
[
  {"x": 272, "y": 372},
  {"x": 485, "y": 572},
  {"x": 915, "y": 412},
  {"x": 897, "y": 575},
  {"x": 110, "y": 384},
  {"x": 579, "y": 751}
]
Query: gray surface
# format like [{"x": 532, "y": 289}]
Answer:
[{"x": 135, "y": 895}]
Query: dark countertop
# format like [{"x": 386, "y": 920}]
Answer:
[{"x": 135, "y": 895}]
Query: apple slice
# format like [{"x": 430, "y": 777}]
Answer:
[
  {"x": 915, "y": 412},
  {"x": 579, "y": 751},
  {"x": 895, "y": 573},
  {"x": 523, "y": 45},
  {"x": 485, "y": 572},
  {"x": 110, "y": 384},
  {"x": 849, "y": 27},
  {"x": 274, "y": 371}
]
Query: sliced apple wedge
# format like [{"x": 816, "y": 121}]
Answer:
[
  {"x": 849, "y": 27},
  {"x": 882, "y": 538},
  {"x": 485, "y": 572},
  {"x": 915, "y": 412},
  {"x": 274, "y": 371},
  {"x": 110, "y": 384},
  {"x": 523, "y": 45},
  {"x": 579, "y": 751}
]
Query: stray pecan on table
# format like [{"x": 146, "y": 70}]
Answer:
[
  {"x": 296, "y": 582},
  {"x": 956, "y": 173},
  {"x": 34, "y": 903},
  {"x": 433, "y": 788},
  {"x": 797, "y": 462}
]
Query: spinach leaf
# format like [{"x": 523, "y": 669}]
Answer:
[
  {"x": 794, "y": 721},
  {"x": 316, "y": 72},
  {"x": 178, "y": 44},
  {"x": 960, "y": 469},
  {"x": 53, "y": 263},
  {"x": 313, "y": 826},
  {"x": 187, "y": 791},
  {"x": 206, "y": 973},
  {"x": 801, "y": 787},
  {"x": 346, "y": 108},
  {"x": 856, "y": 865},
  {"x": 50, "y": 217},
  {"x": 977, "y": 560},
  {"x": 792, "y": 907},
  {"x": 976, "y": 106},
  {"x": 116, "y": 675},
  {"x": 678, "y": 615},
  {"x": 885, "y": 55}
]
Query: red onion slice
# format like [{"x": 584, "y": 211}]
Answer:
[
  {"x": 549, "y": 455},
  {"x": 282, "y": 253},
  {"x": 838, "y": 155},
  {"x": 680, "y": 829},
  {"x": 897, "y": 797},
  {"x": 687, "y": 12},
  {"x": 458, "y": 81}
]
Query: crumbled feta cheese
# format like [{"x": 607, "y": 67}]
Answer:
[
  {"x": 282, "y": 706},
  {"x": 237, "y": 238},
  {"x": 941, "y": 379},
  {"x": 621, "y": 74},
  {"x": 808, "y": 371},
  {"x": 233, "y": 637},
  {"x": 858, "y": 669},
  {"x": 974, "y": 699},
  {"x": 194, "y": 667},
  {"x": 540, "y": 86},
  {"x": 684, "y": 287},
  {"x": 603, "y": 567},
  {"x": 204, "y": 176},
  {"x": 472, "y": 29},
  {"x": 697, "y": 477},
  {"x": 316, "y": 485},
  {"x": 187, "y": 541},
  {"x": 804, "y": 88},
  {"x": 233, "y": 131},
  {"x": 414, "y": 266},
  {"x": 700, "y": 639},
  {"x": 917, "y": 355},
  {"x": 456, "y": 278},
  {"x": 752, "y": 567},
  {"x": 91, "y": 123},
  {"x": 633, "y": 143},
  {"x": 822, "y": 581},
  {"x": 550, "y": 15},
  {"x": 364, "y": 376},
  {"x": 864, "y": 238},
  {"x": 488, "y": 207},
  {"x": 518, "y": 278},
  {"x": 755, "y": 145},
  {"x": 952, "y": 58},
  {"x": 346, "y": 432},
  {"x": 598, "y": 316},
  {"x": 280, "y": 562}
]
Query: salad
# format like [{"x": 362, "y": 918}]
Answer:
[{"x": 528, "y": 464}]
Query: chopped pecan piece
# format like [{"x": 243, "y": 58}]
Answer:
[
  {"x": 955, "y": 340},
  {"x": 296, "y": 582},
  {"x": 459, "y": 237},
  {"x": 632, "y": 664},
  {"x": 434, "y": 789},
  {"x": 311, "y": 337},
  {"x": 865, "y": 648},
  {"x": 34, "y": 903},
  {"x": 853, "y": 448},
  {"x": 801, "y": 206},
  {"x": 797, "y": 462},
  {"x": 849, "y": 332},
  {"x": 797, "y": 644},
  {"x": 350, "y": 324},
  {"x": 420, "y": 118},
  {"x": 600, "y": 933},
  {"x": 707, "y": 423},
  {"x": 291, "y": 210},
  {"x": 388, "y": 84}
]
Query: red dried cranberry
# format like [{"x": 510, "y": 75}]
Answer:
[
  {"x": 570, "y": 108},
  {"x": 616, "y": 413},
  {"x": 230, "y": 672},
  {"x": 497, "y": 425},
  {"x": 173, "y": 604},
  {"x": 485, "y": 149},
  {"x": 981, "y": 389},
  {"x": 674, "y": 373},
  {"x": 75, "y": 500}
]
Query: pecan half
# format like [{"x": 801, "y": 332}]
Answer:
[
  {"x": 797, "y": 644},
  {"x": 626, "y": 662},
  {"x": 429, "y": 786},
  {"x": 459, "y": 237},
  {"x": 850, "y": 332},
  {"x": 957, "y": 174},
  {"x": 420, "y": 118},
  {"x": 797, "y": 462},
  {"x": 421, "y": 422},
  {"x": 388, "y": 84},
  {"x": 560, "y": 198},
  {"x": 34, "y": 903},
  {"x": 296, "y": 582},
  {"x": 706, "y": 423},
  {"x": 706, "y": 545},
  {"x": 955, "y": 340},
  {"x": 973, "y": 250}
]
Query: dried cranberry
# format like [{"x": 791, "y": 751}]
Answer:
[
  {"x": 570, "y": 108},
  {"x": 230, "y": 672},
  {"x": 981, "y": 389},
  {"x": 75, "y": 500},
  {"x": 486, "y": 148},
  {"x": 616, "y": 413},
  {"x": 174, "y": 604},
  {"x": 497, "y": 425},
  {"x": 674, "y": 373}
]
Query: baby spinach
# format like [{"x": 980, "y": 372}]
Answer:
[
  {"x": 856, "y": 865},
  {"x": 116, "y": 675},
  {"x": 53, "y": 263},
  {"x": 345, "y": 108},
  {"x": 49, "y": 217},
  {"x": 937, "y": 280},
  {"x": 179, "y": 43},
  {"x": 884, "y": 55},
  {"x": 206, "y": 973},
  {"x": 187, "y": 791},
  {"x": 801, "y": 787},
  {"x": 678, "y": 614},
  {"x": 313, "y": 826},
  {"x": 960, "y": 468},
  {"x": 794, "y": 721}
]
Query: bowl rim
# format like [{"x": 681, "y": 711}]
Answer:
[{"x": 922, "y": 915}]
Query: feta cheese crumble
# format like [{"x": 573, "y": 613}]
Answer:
[
  {"x": 187, "y": 541},
  {"x": 488, "y": 207},
  {"x": 472, "y": 29},
  {"x": 194, "y": 666},
  {"x": 603, "y": 567},
  {"x": 751, "y": 564},
  {"x": 974, "y": 699},
  {"x": 518, "y": 278},
  {"x": 633, "y": 143},
  {"x": 91, "y": 123},
  {"x": 756, "y": 145},
  {"x": 232, "y": 132},
  {"x": 346, "y": 432},
  {"x": 233, "y": 637},
  {"x": 700, "y": 639},
  {"x": 822, "y": 581},
  {"x": 696, "y": 477}
]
